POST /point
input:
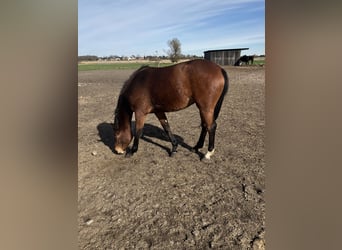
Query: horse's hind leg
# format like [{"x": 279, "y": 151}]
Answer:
[
  {"x": 208, "y": 125},
  {"x": 211, "y": 147},
  {"x": 164, "y": 122},
  {"x": 201, "y": 139}
]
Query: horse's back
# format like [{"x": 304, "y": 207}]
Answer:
[
  {"x": 175, "y": 87},
  {"x": 204, "y": 70}
]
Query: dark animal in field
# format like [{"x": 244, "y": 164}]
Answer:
[
  {"x": 244, "y": 59},
  {"x": 168, "y": 89}
]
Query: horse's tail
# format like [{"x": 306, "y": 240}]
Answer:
[{"x": 224, "y": 92}]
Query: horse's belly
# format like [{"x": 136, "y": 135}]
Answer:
[
  {"x": 171, "y": 96},
  {"x": 166, "y": 105}
]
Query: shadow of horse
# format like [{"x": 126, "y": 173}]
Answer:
[
  {"x": 106, "y": 134},
  {"x": 150, "y": 132}
]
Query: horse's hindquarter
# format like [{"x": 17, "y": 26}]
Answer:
[{"x": 207, "y": 84}]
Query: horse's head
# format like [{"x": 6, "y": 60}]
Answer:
[
  {"x": 122, "y": 137},
  {"x": 121, "y": 141}
]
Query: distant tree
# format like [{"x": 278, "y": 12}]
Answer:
[
  {"x": 87, "y": 58},
  {"x": 175, "y": 49}
]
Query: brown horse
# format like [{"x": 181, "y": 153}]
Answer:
[{"x": 167, "y": 89}]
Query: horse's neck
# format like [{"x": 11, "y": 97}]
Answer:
[
  {"x": 126, "y": 120},
  {"x": 124, "y": 115}
]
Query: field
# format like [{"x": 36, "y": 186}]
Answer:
[
  {"x": 118, "y": 65},
  {"x": 110, "y": 65},
  {"x": 153, "y": 201}
]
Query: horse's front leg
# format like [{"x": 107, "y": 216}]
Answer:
[
  {"x": 164, "y": 122},
  {"x": 139, "y": 125}
]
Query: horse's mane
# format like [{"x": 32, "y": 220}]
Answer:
[
  {"x": 121, "y": 99},
  {"x": 131, "y": 78}
]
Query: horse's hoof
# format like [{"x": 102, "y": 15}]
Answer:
[
  {"x": 128, "y": 154},
  {"x": 173, "y": 153},
  {"x": 194, "y": 150},
  {"x": 206, "y": 160}
]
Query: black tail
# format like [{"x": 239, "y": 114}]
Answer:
[{"x": 224, "y": 92}]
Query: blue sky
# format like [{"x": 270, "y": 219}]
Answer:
[{"x": 133, "y": 27}]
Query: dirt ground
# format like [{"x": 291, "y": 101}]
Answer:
[{"x": 153, "y": 201}]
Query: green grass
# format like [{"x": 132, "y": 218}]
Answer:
[
  {"x": 111, "y": 66},
  {"x": 258, "y": 62}
]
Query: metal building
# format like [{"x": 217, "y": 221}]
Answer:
[{"x": 223, "y": 56}]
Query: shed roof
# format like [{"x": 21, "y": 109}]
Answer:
[{"x": 225, "y": 50}]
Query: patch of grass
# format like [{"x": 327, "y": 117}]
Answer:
[
  {"x": 112, "y": 66},
  {"x": 259, "y": 61}
]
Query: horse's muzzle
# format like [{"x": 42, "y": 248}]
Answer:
[{"x": 119, "y": 150}]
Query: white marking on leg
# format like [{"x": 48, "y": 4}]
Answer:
[{"x": 209, "y": 154}]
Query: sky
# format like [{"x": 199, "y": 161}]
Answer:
[{"x": 133, "y": 27}]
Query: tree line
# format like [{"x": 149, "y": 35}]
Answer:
[
  {"x": 128, "y": 58},
  {"x": 174, "y": 53}
]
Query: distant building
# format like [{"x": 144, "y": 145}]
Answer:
[{"x": 223, "y": 56}]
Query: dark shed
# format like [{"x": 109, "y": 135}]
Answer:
[{"x": 223, "y": 56}]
